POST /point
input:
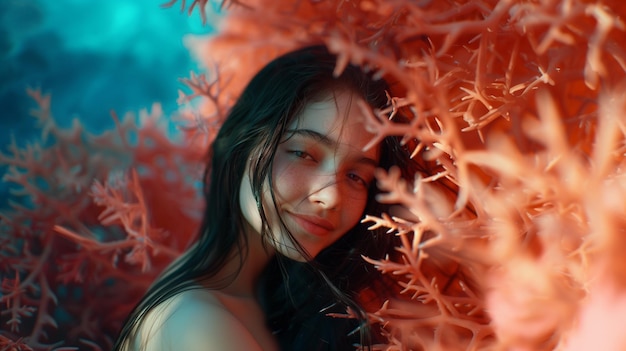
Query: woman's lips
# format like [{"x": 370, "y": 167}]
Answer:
[{"x": 315, "y": 225}]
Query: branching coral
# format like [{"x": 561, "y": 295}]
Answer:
[{"x": 83, "y": 240}]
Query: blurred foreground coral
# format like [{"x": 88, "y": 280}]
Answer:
[{"x": 517, "y": 106}]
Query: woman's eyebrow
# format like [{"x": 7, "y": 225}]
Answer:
[
  {"x": 315, "y": 135},
  {"x": 328, "y": 142}
]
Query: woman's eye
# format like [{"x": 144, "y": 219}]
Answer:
[
  {"x": 356, "y": 178},
  {"x": 302, "y": 154}
]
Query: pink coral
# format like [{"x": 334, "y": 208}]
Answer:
[{"x": 87, "y": 240}]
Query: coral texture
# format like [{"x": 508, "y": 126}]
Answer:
[
  {"x": 512, "y": 240},
  {"x": 94, "y": 219}
]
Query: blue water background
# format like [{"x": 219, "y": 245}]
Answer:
[{"x": 93, "y": 56}]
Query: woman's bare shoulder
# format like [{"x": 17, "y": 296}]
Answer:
[{"x": 194, "y": 320}]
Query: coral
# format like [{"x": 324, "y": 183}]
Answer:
[
  {"x": 94, "y": 219},
  {"x": 513, "y": 239}
]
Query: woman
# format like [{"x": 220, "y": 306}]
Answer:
[{"x": 287, "y": 185}]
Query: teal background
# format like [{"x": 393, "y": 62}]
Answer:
[{"x": 92, "y": 56}]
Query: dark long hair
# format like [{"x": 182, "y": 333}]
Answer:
[{"x": 253, "y": 130}]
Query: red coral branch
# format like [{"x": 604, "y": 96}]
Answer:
[{"x": 55, "y": 276}]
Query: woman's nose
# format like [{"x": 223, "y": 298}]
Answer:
[{"x": 326, "y": 192}]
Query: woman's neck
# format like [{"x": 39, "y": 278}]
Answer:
[{"x": 244, "y": 283}]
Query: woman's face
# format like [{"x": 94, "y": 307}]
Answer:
[{"x": 321, "y": 177}]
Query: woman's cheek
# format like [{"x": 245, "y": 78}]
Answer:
[{"x": 288, "y": 180}]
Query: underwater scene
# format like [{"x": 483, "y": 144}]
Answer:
[{"x": 511, "y": 239}]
